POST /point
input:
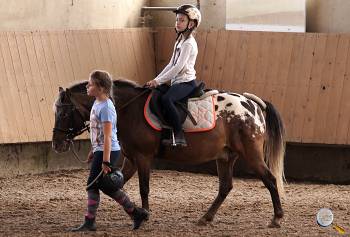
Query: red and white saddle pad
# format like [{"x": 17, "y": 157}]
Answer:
[{"x": 202, "y": 109}]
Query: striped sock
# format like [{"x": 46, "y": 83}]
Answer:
[
  {"x": 92, "y": 203},
  {"x": 121, "y": 198}
]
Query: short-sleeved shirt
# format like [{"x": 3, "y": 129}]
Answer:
[{"x": 103, "y": 111}]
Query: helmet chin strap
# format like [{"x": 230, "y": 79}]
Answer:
[
  {"x": 181, "y": 32},
  {"x": 187, "y": 29}
]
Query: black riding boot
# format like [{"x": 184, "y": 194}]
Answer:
[
  {"x": 180, "y": 138},
  {"x": 88, "y": 225},
  {"x": 139, "y": 215}
]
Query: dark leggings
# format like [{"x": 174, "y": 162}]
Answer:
[
  {"x": 94, "y": 194},
  {"x": 96, "y": 165},
  {"x": 175, "y": 93}
]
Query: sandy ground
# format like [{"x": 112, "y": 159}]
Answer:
[{"x": 49, "y": 204}]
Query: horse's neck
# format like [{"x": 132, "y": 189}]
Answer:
[
  {"x": 84, "y": 103},
  {"x": 130, "y": 106},
  {"x": 127, "y": 97}
]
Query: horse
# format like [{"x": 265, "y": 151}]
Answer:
[{"x": 246, "y": 128}]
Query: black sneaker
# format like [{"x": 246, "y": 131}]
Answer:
[
  {"x": 139, "y": 215},
  {"x": 88, "y": 225}
]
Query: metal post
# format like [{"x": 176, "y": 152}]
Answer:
[{"x": 144, "y": 9}]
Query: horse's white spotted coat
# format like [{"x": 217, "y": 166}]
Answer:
[{"x": 230, "y": 106}]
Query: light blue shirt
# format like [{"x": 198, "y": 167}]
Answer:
[{"x": 103, "y": 111}]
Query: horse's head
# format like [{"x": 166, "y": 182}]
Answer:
[{"x": 70, "y": 117}]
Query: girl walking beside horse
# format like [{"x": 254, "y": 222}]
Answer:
[{"x": 105, "y": 152}]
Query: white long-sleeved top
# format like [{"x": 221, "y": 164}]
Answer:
[{"x": 181, "y": 66}]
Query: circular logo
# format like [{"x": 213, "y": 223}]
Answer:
[{"x": 324, "y": 217}]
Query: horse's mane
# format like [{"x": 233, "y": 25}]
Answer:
[
  {"x": 121, "y": 82},
  {"x": 78, "y": 87}
]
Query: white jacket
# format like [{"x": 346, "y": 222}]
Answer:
[{"x": 181, "y": 66}]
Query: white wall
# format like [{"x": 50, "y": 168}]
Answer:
[
  {"x": 69, "y": 14},
  {"x": 267, "y": 15}
]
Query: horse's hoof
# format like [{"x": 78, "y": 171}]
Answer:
[
  {"x": 202, "y": 222},
  {"x": 274, "y": 224}
]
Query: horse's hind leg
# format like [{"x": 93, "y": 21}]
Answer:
[
  {"x": 225, "y": 172},
  {"x": 256, "y": 161}
]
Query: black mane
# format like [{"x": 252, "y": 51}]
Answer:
[
  {"x": 126, "y": 83},
  {"x": 79, "y": 87}
]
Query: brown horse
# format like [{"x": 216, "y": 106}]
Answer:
[{"x": 242, "y": 131}]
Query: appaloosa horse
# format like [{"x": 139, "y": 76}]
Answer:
[{"x": 242, "y": 131}]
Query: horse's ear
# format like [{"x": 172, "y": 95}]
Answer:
[{"x": 60, "y": 89}]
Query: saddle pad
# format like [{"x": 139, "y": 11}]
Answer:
[{"x": 203, "y": 112}]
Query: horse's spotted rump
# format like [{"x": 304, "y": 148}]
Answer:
[
  {"x": 249, "y": 106},
  {"x": 220, "y": 98},
  {"x": 231, "y": 106},
  {"x": 235, "y": 94}
]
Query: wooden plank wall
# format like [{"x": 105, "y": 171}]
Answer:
[
  {"x": 34, "y": 64},
  {"x": 305, "y": 75}
]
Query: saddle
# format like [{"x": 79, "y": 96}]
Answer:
[{"x": 182, "y": 105}]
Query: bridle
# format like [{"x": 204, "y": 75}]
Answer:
[{"x": 72, "y": 131}]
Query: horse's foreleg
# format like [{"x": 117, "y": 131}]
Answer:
[
  {"x": 143, "y": 169},
  {"x": 128, "y": 168},
  {"x": 225, "y": 172}
]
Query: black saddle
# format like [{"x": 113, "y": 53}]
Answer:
[{"x": 156, "y": 107}]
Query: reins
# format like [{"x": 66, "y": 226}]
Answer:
[{"x": 133, "y": 99}]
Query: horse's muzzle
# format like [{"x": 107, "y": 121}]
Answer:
[{"x": 60, "y": 147}]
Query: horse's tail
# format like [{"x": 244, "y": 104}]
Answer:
[{"x": 274, "y": 146}]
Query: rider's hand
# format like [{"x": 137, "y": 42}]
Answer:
[
  {"x": 106, "y": 168},
  {"x": 152, "y": 83}
]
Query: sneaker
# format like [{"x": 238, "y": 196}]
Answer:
[
  {"x": 88, "y": 225},
  {"x": 139, "y": 215}
]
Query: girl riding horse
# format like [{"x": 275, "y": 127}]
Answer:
[{"x": 180, "y": 70}]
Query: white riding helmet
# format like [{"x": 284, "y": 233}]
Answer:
[{"x": 191, "y": 12}]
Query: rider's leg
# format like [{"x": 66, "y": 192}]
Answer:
[{"x": 175, "y": 93}]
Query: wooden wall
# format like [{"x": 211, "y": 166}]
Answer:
[
  {"x": 34, "y": 64},
  {"x": 306, "y": 76}
]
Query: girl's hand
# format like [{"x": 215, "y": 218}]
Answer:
[
  {"x": 90, "y": 156},
  {"x": 152, "y": 83},
  {"x": 106, "y": 168}
]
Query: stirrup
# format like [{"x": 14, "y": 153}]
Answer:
[{"x": 172, "y": 141}]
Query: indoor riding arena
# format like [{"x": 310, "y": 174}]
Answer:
[{"x": 294, "y": 54}]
